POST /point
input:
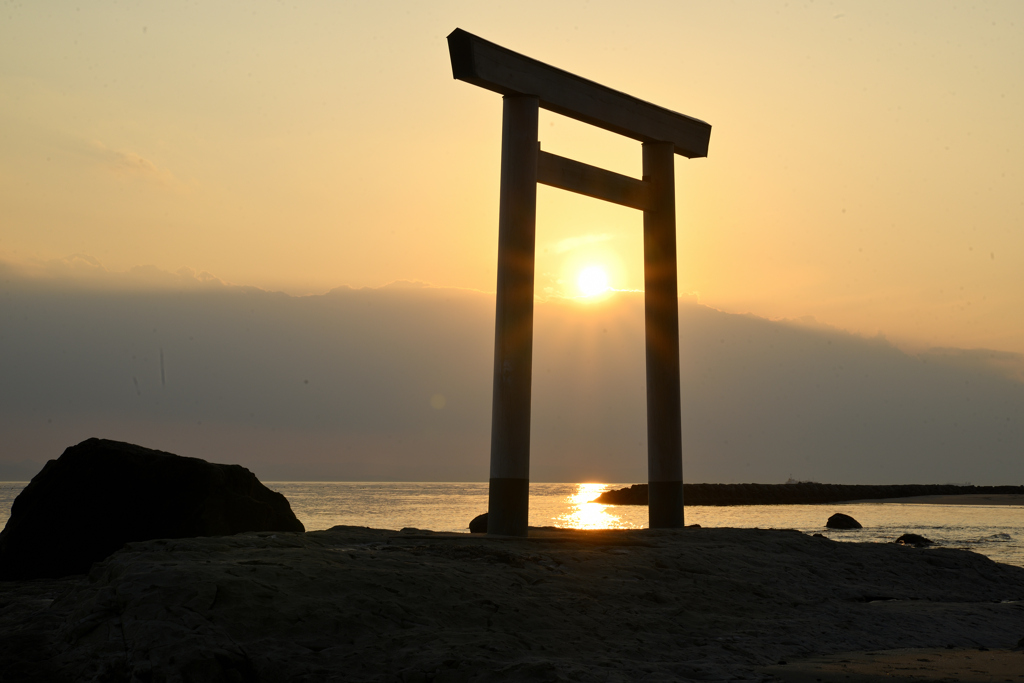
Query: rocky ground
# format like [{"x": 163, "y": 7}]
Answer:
[{"x": 356, "y": 604}]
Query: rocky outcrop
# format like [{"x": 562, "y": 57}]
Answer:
[
  {"x": 102, "y": 494},
  {"x": 479, "y": 524},
  {"x": 915, "y": 540},
  {"x": 632, "y": 495},
  {"x": 841, "y": 521},
  {"x": 802, "y": 493}
]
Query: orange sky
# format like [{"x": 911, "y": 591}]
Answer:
[{"x": 865, "y": 165}]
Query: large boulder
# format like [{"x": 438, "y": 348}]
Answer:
[{"x": 102, "y": 494}]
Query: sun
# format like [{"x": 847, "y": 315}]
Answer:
[{"x": 592, "y": 280}]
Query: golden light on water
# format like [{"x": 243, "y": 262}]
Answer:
[{"x": 583, "y": 514}]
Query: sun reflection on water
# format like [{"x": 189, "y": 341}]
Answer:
[{"x": 583, "y": 514}]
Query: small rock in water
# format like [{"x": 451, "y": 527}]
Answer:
[
  {"x": 841, "y": 521},
  {"x": 479, "y": 524},
  {"x": 914, "y": 540}
]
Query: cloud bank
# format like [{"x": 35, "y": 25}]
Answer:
[{"x": 394, "y": 383}]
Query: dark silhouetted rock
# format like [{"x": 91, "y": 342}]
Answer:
[
  {"x": 841, "y": 521},
  {"x": 914, "y": 539},
  {"x": 479, "y": 524},
  {"x": 632, "y": 495},
  {"x": 102, "y": 494}
]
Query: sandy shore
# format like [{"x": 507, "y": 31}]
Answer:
[
  {"x": 368, "y": 605},
  {"x": 965, "y": 499}
]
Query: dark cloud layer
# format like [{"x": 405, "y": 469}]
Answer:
[{"x": 394, "y": 384}]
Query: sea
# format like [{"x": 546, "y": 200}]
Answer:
[{"x": 996, "y": 531}]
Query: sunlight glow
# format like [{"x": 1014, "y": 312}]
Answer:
[
  {"x": 586, "y": 515},
  {"x": 593, "y": 280}
]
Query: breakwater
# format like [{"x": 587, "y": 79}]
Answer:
[{"x": 802, "y": 493}]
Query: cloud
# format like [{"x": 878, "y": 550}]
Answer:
[
  {"x": 123, "y": 163},
  {"x": 406, "y": 284},
  {"x": 77, "y": 269},
  {"x": 344, "y": 386},
  {"x": 129, "y": 163},
  {"x": 85, "y": 272},
  {"x": 1001, "y": 363}
]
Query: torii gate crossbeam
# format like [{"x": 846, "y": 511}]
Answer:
[{"x": 528, "y": 85}]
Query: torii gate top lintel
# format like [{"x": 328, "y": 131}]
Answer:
[{"x": 501, "y": 70}]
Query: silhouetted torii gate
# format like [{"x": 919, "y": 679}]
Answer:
[{"x": 527, "y": 85}]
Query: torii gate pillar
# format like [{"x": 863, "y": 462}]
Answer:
[
  {"x": 661, "y": 330},
  {"x": 528, "y": 85},
  {"x": 508, "y": 499}
]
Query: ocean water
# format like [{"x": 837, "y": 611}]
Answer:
[{"x": 996, "y": 531}]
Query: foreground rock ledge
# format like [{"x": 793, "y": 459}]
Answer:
[{"x": 360, "y": 604}]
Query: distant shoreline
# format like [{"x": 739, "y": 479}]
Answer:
[{"x": 811, "y": 493}]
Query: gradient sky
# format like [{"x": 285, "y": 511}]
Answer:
[{"x": 865, "y": 168}]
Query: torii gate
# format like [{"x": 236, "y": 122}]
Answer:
[{"x": 527, "y": 85}]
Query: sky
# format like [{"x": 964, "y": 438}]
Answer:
[{"x": 864, "y": 173}]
